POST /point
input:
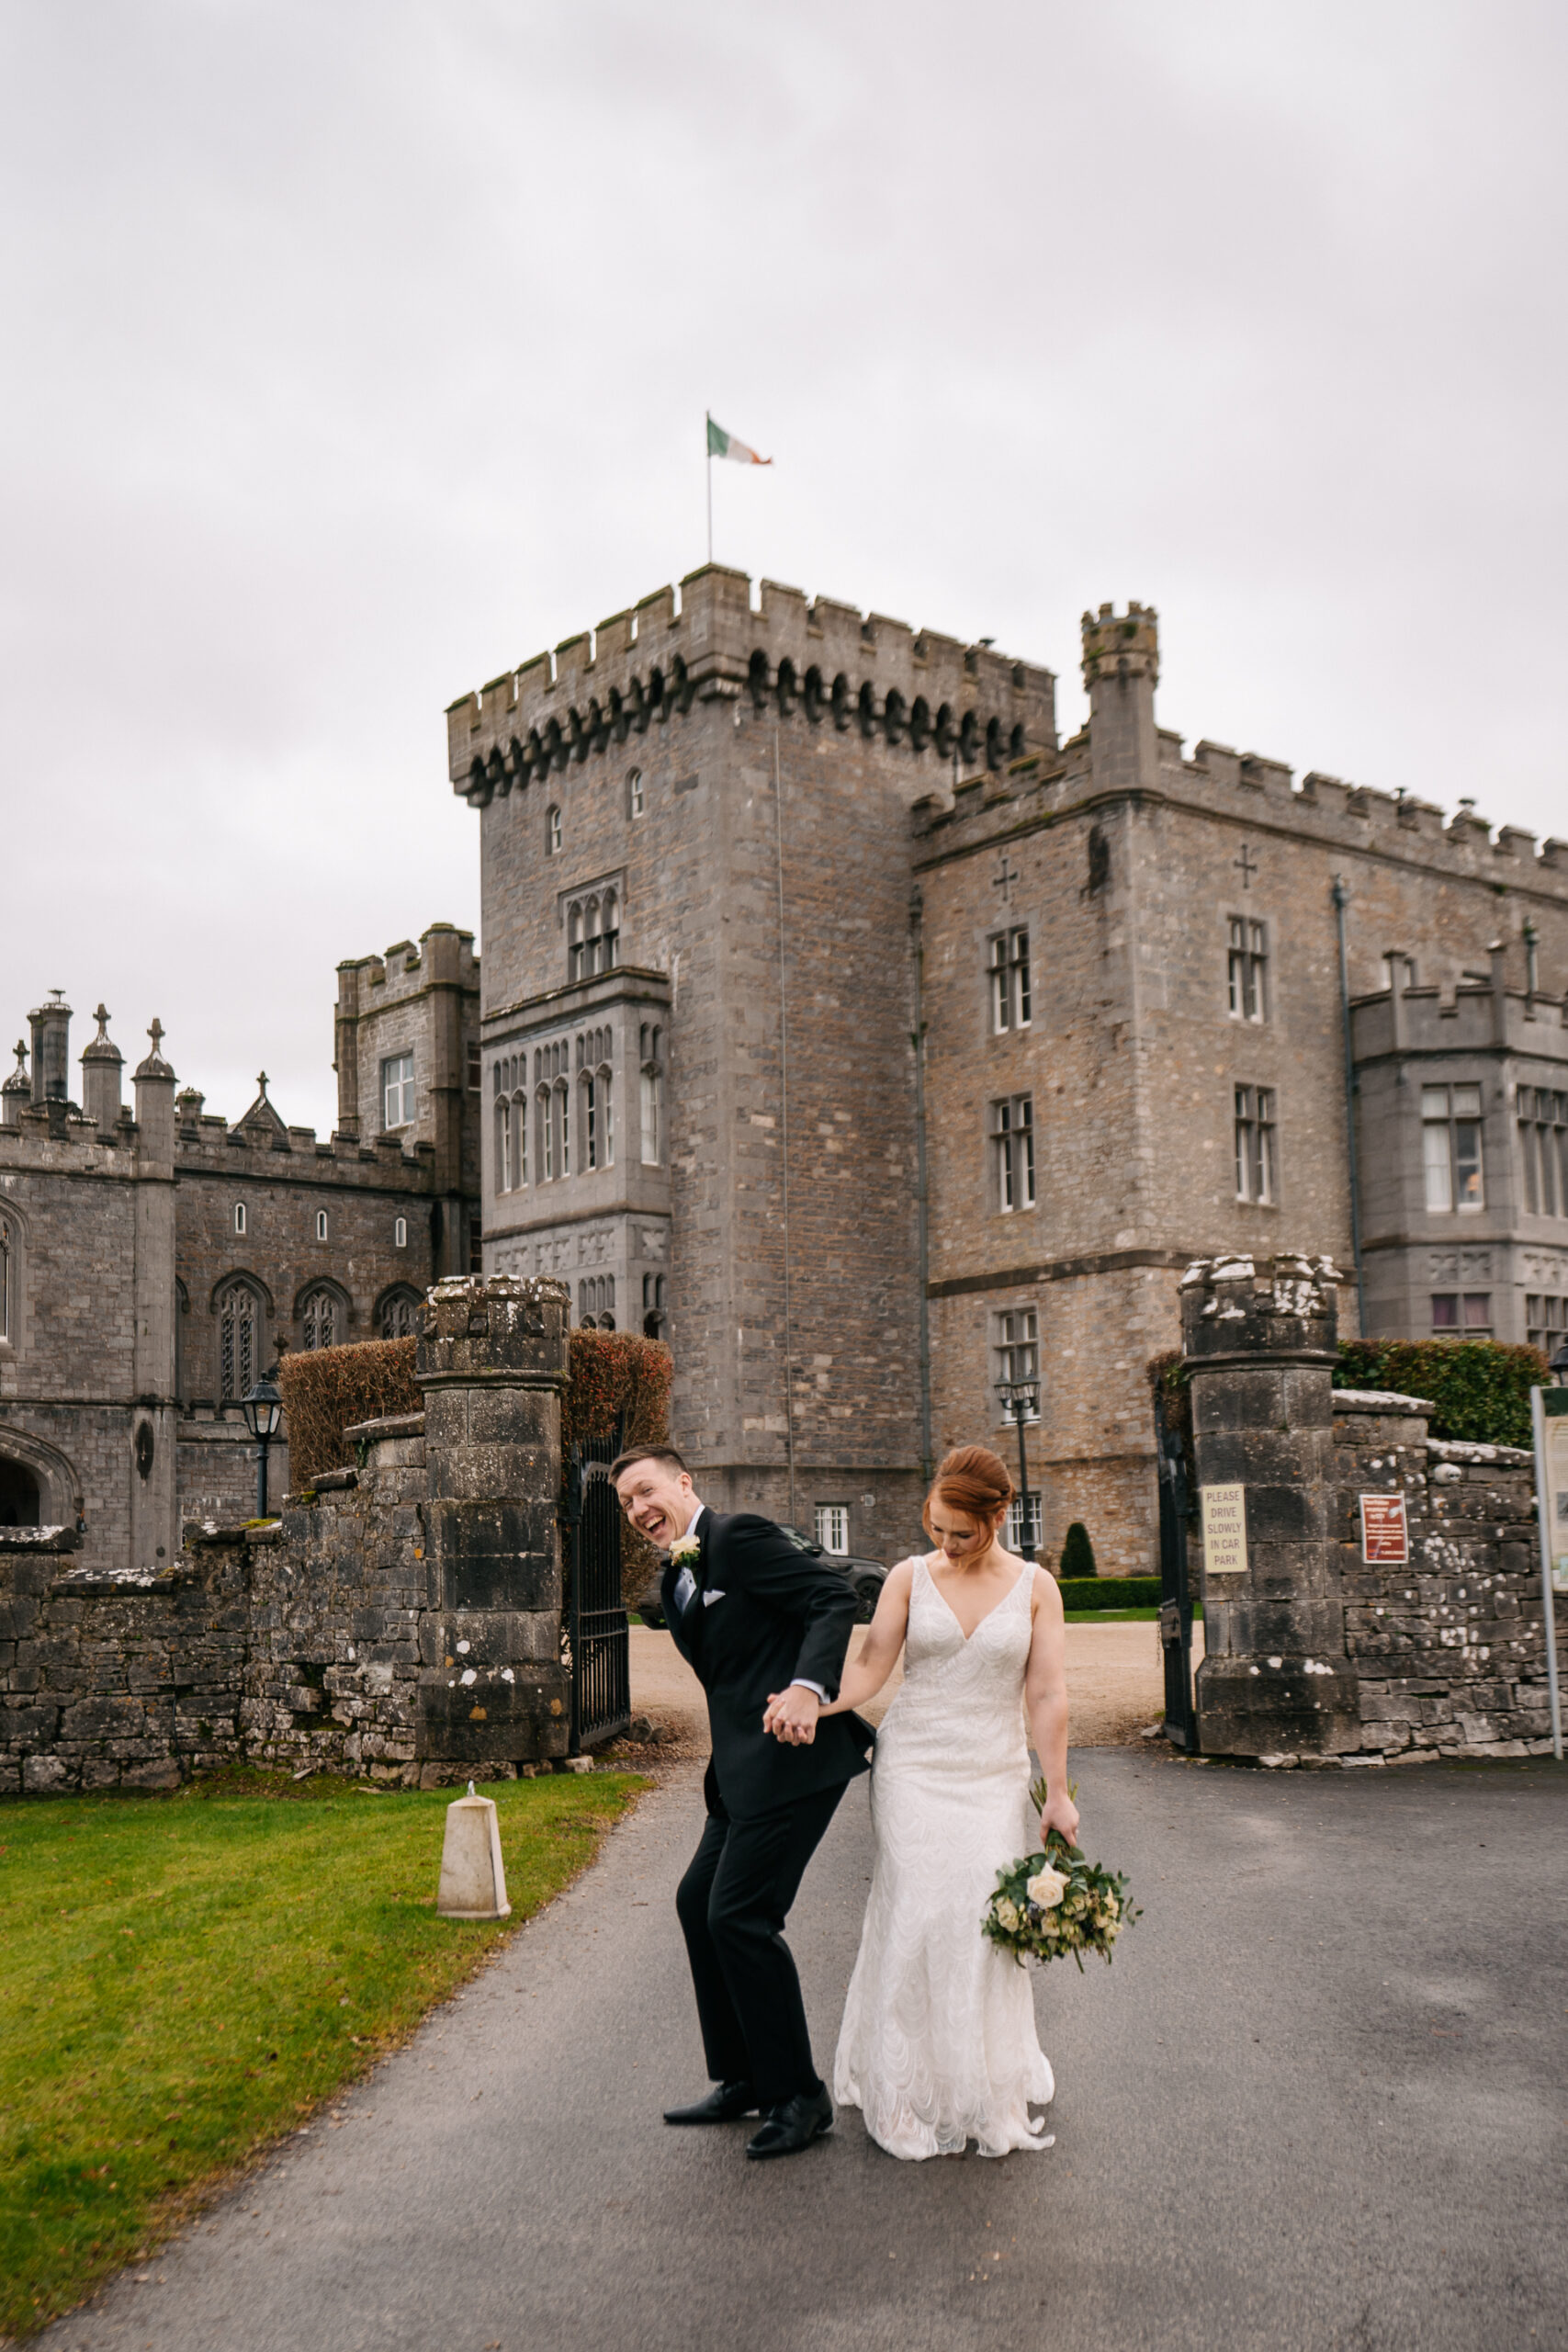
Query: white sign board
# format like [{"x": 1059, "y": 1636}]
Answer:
[{"x": 1225, "y": 1530}]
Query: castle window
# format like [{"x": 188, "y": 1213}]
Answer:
[
  {"x": 1546, "y": 1321},
  {"x": 653, "y": 1093},
  {"x": 833, "y": 1528},
  {"x": 1248, "y": 970},
  {"x": 399, "y": 1312},
  {"x": 1012, "y": 1150},
  {"x": 1257, "y": 1176},
  {"x": 596, "y": 1302},
  {"x": 598, "y": 1138},
  {"x": 6, "y": 1255},
  {"x": 239, "y": 1341},
  {"x": 476, "y": 1071},
  {"x": 1025, "y": 1528},
  {"x": 1015, "y": 1350},
  {"x": 400, "y": 1233},
  {"x": 504, "y": 1145},
  {"x": 397, "y": 1091},
  {"x": 592, "y": 935},
  {"x": 1543, "y": 1149},
  {"x": 552, "y": 831},
  {"x": 320, "y": 1225},
  {"x": 637, "y": 793},
  {"x": 1461, "y": 1315},
  {"x": 653, "y": 1307},
  {"x": 240, "y": 1218},
  {"x": 1450, "y": 1148},
  {"x": 319, "y": 1319},
  {"x": 1011, "y": 1004}
]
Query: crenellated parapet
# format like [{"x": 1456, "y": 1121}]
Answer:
[{"x": 817, "y": 664}]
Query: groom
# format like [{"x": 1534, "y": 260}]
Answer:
[{"x": 756, "y": 1619}]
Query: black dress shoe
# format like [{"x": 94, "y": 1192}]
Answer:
[
  {"x": 794, "y": 2125},
  {"x": 726, "y": 2103}
]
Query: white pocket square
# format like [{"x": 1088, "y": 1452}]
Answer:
[{"x": 710, "y": 1597}]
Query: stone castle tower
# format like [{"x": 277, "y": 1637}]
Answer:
[{"x": 736, "y": 857}]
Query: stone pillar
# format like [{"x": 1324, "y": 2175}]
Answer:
[
  {"x": 1260, "y": 1350},
  {"x": 102, "y": 1062},
  {"x": 491, "y": 1365}
]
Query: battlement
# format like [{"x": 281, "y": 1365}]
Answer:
[
  {"x": 1120, "y": 645},
  {"x": 825, "y": 663},
  {"x": 1480, "y": 1016},
  {"x": 442, "y": 957}
]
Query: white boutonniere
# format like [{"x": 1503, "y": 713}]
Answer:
[{"x": 686, "y": 1553}]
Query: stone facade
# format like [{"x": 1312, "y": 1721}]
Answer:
[
  {"x": 154, "y": 1260},
  {"x": 1312, "y": 1651},
  {"x": 402, "y": 1623},
  {"x": 736, "y": 855}
]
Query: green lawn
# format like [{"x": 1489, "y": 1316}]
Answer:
[
  {"x": 187, "y": 1977},
  {"x": 1123, "y": 1616}
]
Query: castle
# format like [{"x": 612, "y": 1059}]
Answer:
[
  {"x": 154, "y": 1260},
  {"x": 845, "y": 1026}
]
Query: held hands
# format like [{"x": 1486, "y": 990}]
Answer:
[
  {"x": 792, "y": 1716},
  {"x": 1060, "y": 1812}
]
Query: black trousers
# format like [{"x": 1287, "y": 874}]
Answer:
[{"x": 733, "y": 1903}]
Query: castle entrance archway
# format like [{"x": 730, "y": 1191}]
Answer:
[{"x": 18, "y": 1495}]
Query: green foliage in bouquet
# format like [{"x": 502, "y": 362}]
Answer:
[{"x": 1056, "y": 1902}]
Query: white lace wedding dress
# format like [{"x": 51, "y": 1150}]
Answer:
[{"x": 938, "y": 2045}]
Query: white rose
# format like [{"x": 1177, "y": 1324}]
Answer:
[
  {"x": 1047, "y": 1887},
  {"x": 685, "y": 1550},
  {"x": 1007, "y": 1915}
]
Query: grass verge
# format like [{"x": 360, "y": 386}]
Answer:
[{"x": 187, "y": 1977}]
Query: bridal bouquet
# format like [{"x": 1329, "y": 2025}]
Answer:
[{"x": 1055, "y": 1901}]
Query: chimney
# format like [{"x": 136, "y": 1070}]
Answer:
[
  {"x": 101, "y": 1065},
  {"x": 51, "y": 1026},
  {"x": 155, "y": 1101}
]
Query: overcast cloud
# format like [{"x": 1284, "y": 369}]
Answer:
[{"x": 359, "y": 351}]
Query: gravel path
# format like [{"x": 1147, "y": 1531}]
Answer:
[{"x": 1317, "y": 2106}]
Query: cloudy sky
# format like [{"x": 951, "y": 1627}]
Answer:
[{"x": 358, "y": 349}]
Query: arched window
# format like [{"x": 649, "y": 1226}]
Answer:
[
  {"x": 240, "y": 1219},
  {"x": 592, "y": 935},
  {"x": 597, "y": 1133},
  {"x": 320, "y": 1225},
  {"x": 399, "y": 1314},
  {"x": 504, "y": 1145},
  {"x": 652, "y": 1085},
  {"x": 637, "y": 793},
  {"x": 574, "y": 959},
  {"x": 239, "y": 1339},
  {"x": 400, "y": 1233},
  {"x": 320, "y": 1314},
  {"x": 7, "y": 1264},
  {"x": 596, "y": 1302},
  {"x": 547, "y": 1140},
  {"x": 653, "y": 1307},
  {"x": 552, "y": 829},
  {"x": 560, "y": 1104}
]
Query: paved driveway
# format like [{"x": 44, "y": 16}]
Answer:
[{"x": 1318, "y": 2103}]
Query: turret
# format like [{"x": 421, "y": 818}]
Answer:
[
  {"x": 16, "y": 1091},
  {"x": 1120, "y": 671},
  {"x": 155, "y": 1100},
  {"x": 51, "y": 1026},
  {"x": 102, "y": 1062}
]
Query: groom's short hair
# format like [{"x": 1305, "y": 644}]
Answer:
[{"x": 646, "y": 1453}]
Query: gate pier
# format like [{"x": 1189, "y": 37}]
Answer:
[
  {"x": 491, "y": 1365},
  {"x": 1260, "y": 1350}
]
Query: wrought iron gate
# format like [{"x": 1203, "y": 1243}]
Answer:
[
  {"x": 596, "y": 1641},
  {"x": 1175, "y": 1598}
]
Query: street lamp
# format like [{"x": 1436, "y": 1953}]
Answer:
[
  {"x": 1020, "y": 1403},
  {"x": 263, "y": 1410}
]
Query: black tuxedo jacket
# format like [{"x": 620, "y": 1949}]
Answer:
[{"x": 764, "y": 1613}]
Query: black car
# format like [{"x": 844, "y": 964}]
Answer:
[{"x": 865, "y": 1577}]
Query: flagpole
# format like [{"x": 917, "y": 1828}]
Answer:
[{"x": 707, "y": 450}]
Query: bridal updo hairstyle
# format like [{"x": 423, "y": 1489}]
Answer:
[{"x": 974, "y": 1480}]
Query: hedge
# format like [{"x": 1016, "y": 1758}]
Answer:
[
  {"x": 1479, "y": 1389},
  {"x": 1110, "y": 1592},
  {"x": 617, "y": 1389}
]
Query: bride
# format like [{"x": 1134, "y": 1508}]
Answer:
[{"x": 938, "y": 2045}]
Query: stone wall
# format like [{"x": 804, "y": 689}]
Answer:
[{"x": 403, "y": 1621}]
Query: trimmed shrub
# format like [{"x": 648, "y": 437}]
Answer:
[
  {"x": 617, "y": 1388},
  {"x": 1077, "y": 1554},
  {"x": 1479, "y": 1388},
  {"x": 1110, "y": 1592},
  {"x": 328, "y": 1390}
]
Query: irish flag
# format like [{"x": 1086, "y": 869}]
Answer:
[{"x": 725, "y": 445}]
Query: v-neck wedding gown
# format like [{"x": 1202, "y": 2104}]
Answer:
[{"x": 938, "y": 2045}]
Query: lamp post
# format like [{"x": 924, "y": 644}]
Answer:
[
  {"x": 263, "y": 1410},
  {"x": 1020, "y": 1403}
]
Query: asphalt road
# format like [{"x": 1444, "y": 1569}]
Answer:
[{"x": 1318, "y": 2105}]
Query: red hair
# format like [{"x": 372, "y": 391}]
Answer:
[{"x": 971, "y": 1479}]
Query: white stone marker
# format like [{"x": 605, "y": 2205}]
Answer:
[{"x": 473, "y": 1880}]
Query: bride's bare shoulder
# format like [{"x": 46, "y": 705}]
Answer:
[
  {"x": 1046, "y": 1594},
  {"x": 906, "y": 1568}
]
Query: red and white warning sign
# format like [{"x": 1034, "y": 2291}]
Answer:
[{"x": 1386, "y": 1537}]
